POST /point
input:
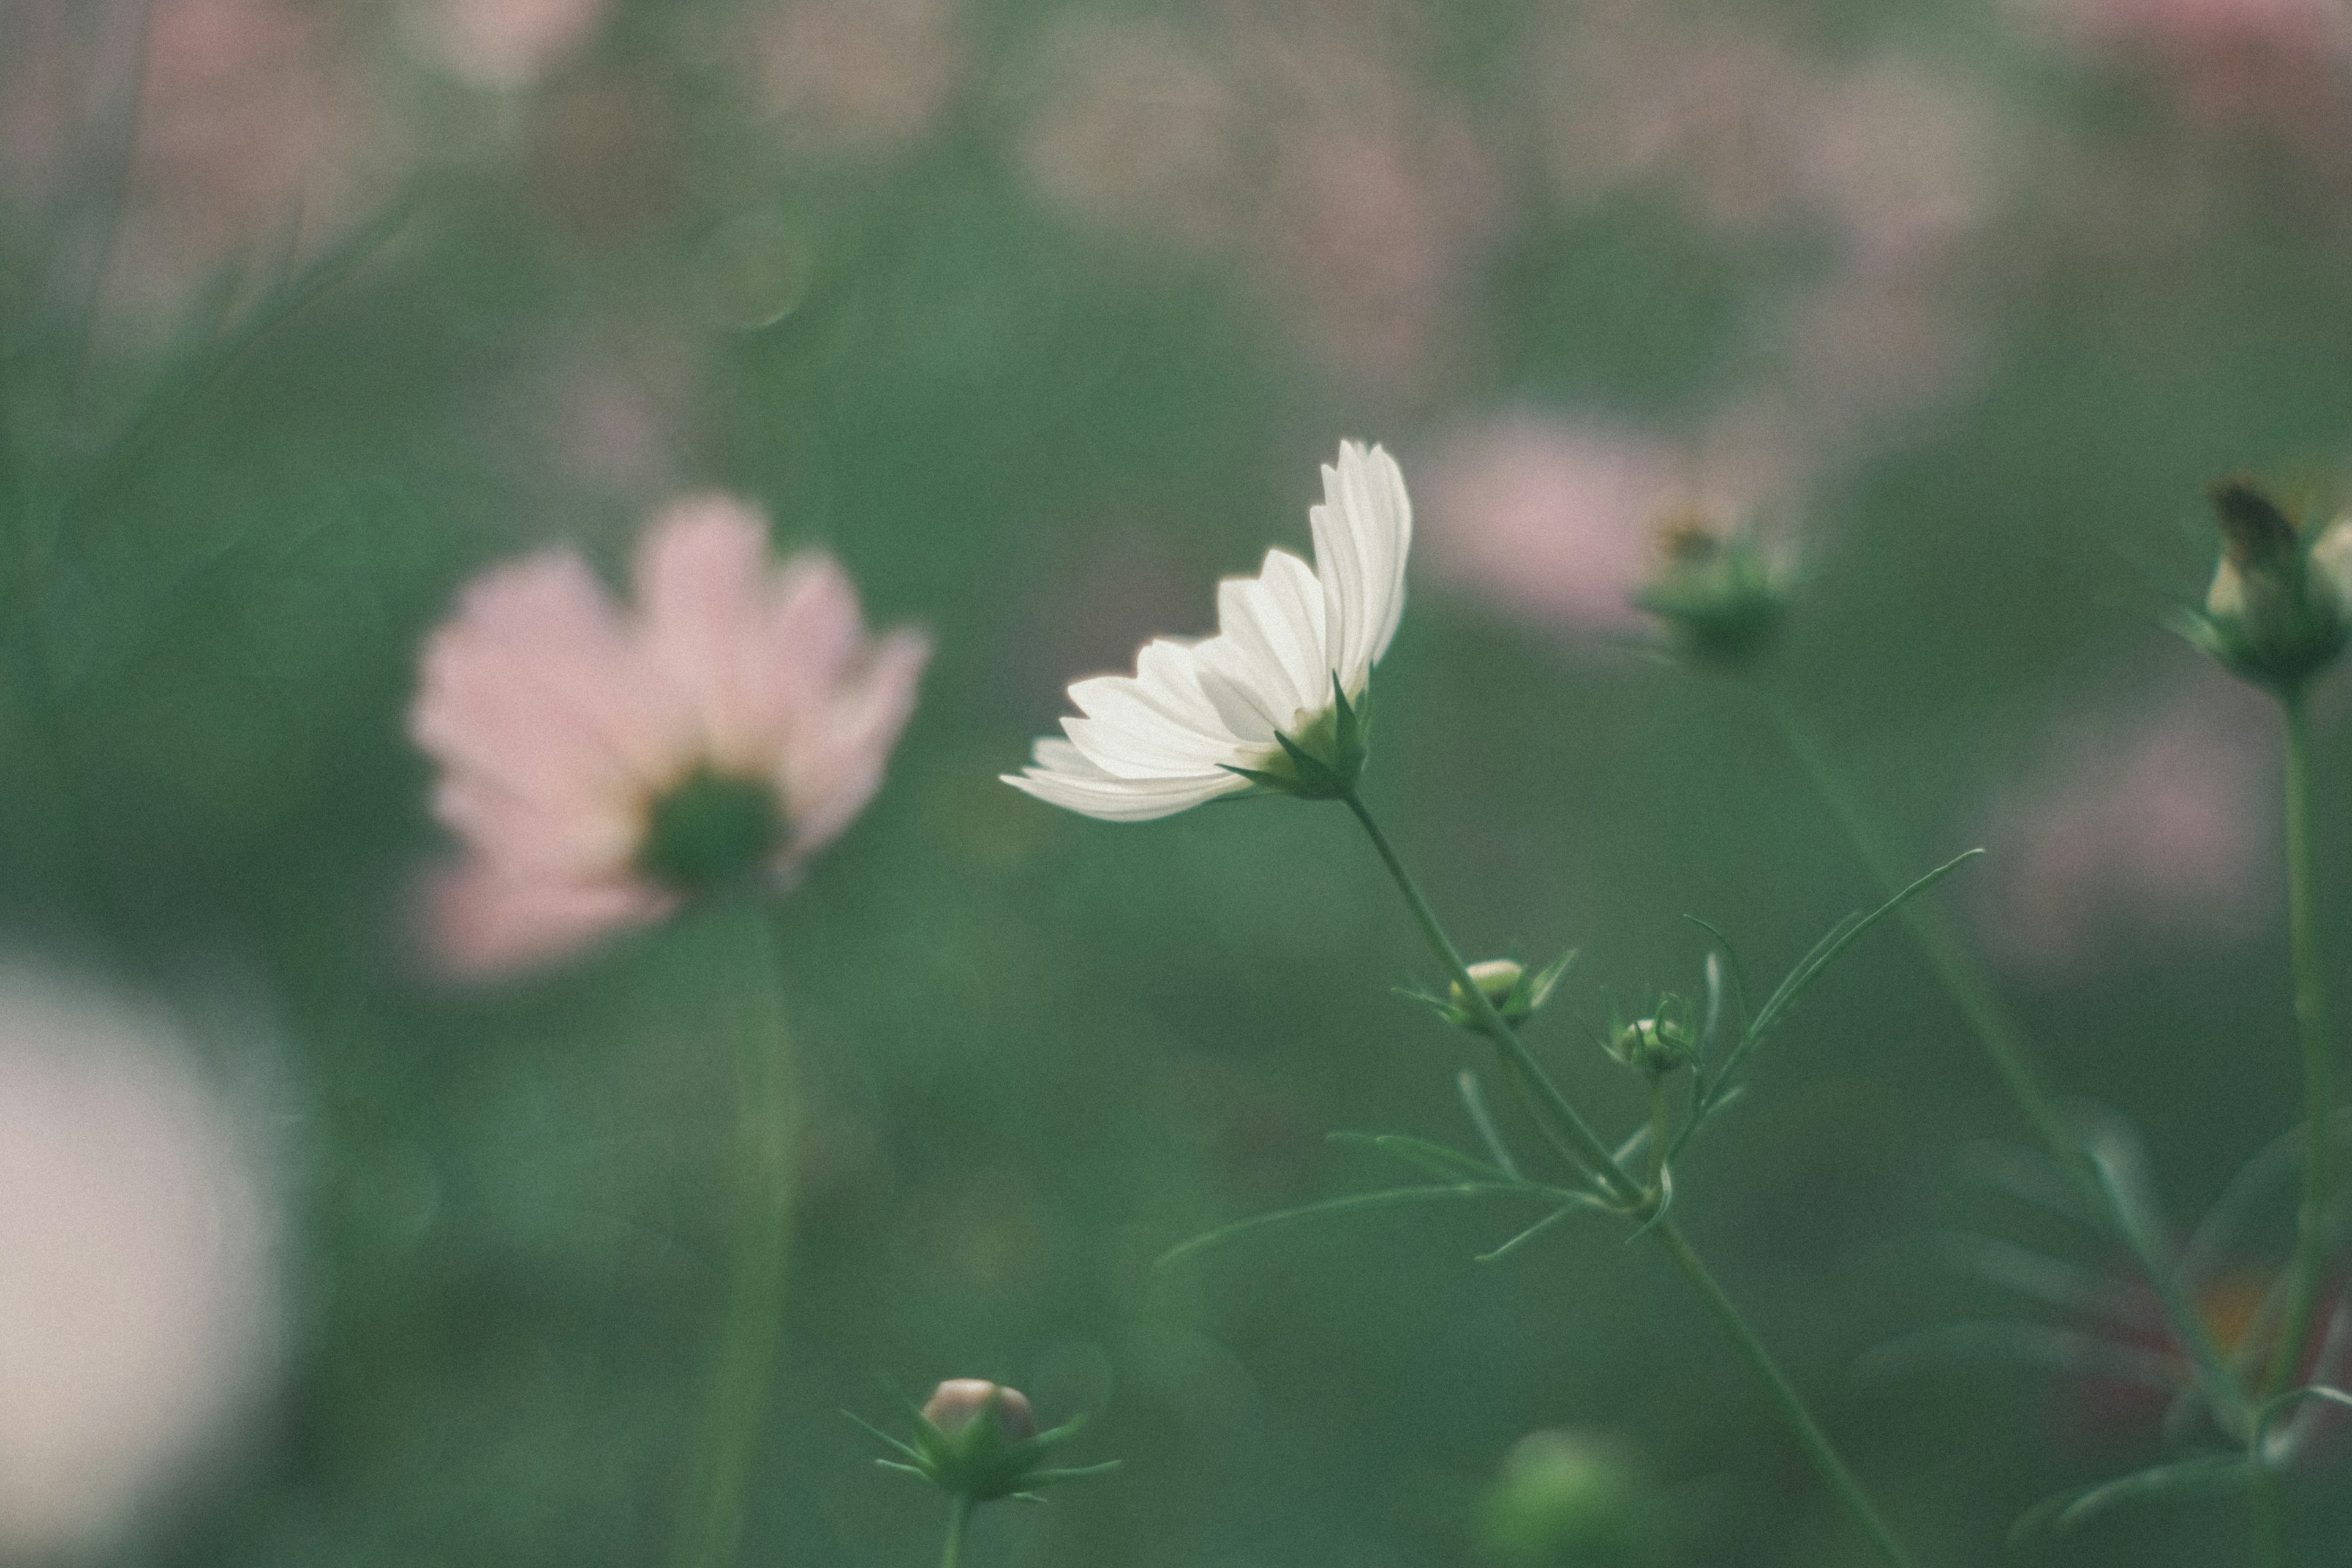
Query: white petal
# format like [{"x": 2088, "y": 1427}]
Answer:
[
  {"x": 1063, "y": 776},
  {"x": 1266, "y": 619},
  {"x": 1363, "y": 532}
]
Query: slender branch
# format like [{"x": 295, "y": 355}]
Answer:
[
  {"x": 1614, "y": 1176},
  {"x": 766, "y": 1124},
  {"x": 2003, "y": 1041},
  {"x": 2318, "y": 1046}
]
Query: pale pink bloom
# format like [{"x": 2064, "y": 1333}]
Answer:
[
  {"x": 1901, "y": 161},
  {"x": 503, "y": 45},
  {"x": 857, "y": 76},
  {"x": 138, "y": 1276},
  {"x": 560, "y": 722},
  {"x": 1558, "y": 518},
  {"x": 2160, "y": 821}
]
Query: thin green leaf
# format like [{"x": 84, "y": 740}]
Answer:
[
  {"x": 1473, "y": 1105},
  {"x": 1826, "y": 951},
  {"x": 1711, "y": 1025},
  {"x": 1434, "y": 1158},
  {"x": 2218, "y": 1233},
  {"x": 2053, "y": 1281},
  {"x": 1705, "y": 1114},
  {"x": 882, "y": 1436},
  {"x": 1072, "y": 1472},
  {"x": 1542, "y": 1226},
  {"x": 902, "y": 1469},
  {"x": 1738, "y": 969},
  {"x": 1358, "y": 1202},
  {"x": 2206, "y": 1472}
]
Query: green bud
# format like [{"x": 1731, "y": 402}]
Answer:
[
  {"x": 2276, "y": 613},
  {"x": 1508, "y": 988},
  {"x": 1326, "y": 758},
  {"x": 1655, "y": 1045},
  {"x": 1719, "y": 595},
  {"x": 1497, "y": 978},
  {"x": 980, "y": 1440},
  {"x": 1568, "y": 1500}
]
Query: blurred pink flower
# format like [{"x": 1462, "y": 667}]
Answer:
[
  {"x": 137, "y": 1285},
  {"x": 1559, "y": 520},
  {"x": 503, "y": 45},
  {"x": 253, "y": 119},
  {"x": 857, "y": 76},
  {"x": 2160, "y": 822},
  {"x": 1288, "y": 143},
  {"x": 739, "y": 705}
]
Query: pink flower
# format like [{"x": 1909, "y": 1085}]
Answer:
[
  {"x": 602, "y": 765},
  {"x": 504, "y": 45},
  {"x": 850, "y": 76}
]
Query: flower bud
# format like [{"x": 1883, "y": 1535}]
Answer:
[
  {"x": 1495, "y": 977},
  {"x": 1721, "y": 598},
  {"x": 2276, "y": 613},
  {"x": 1567, "y": 1498},
  {"x": 978, "y": 1440},
  {"x": 1652, "y": 1045},
  {"x": 960, "y": 1401}
]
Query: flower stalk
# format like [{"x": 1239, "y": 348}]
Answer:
[
  {"x": 959, "y": 1528},
  {"x": 2318, "y": 1051},
  {"x": 766, "y": 1130},
  {"x": 1604, "y": 1167}
]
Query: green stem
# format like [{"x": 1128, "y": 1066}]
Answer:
[
  {"x": 1622, "y": 1186},
  {"x": 2318, "y": 1045},
  {"x": 2003, "y": 1042},
  {"x": 1815, "y": 1442},
  {"x": 766, "y": 1123},
  {"x": 958, "y": 1527},
  {"x": 2269, "y": 1525}
]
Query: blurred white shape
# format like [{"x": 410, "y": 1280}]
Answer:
[
  {"x": 138, "y": 1275},
  {"x": 2158, "y": 821}
]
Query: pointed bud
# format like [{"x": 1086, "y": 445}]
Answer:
[
  {"x": 1654, "y": 1047},
  {"x": 1497, "y": 978},
  {"x": 1720, "y": 597},
  {"x": 980, "y": 1440},
  {"x": 2276, "y": 613},
  {"x": 960, "y": 1401}
]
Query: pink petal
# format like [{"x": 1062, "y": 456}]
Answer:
[
  {"x": 835, "y": 763},
  {"x": 702, "y": 587},
  {"x": 482, "y": 920}
]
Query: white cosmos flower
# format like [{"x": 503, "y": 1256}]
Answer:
[{"x": 1168, "y": 736}]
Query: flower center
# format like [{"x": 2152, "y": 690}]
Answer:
[{"x": 708, "y": 828}]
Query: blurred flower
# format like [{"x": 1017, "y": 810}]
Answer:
[
  {"x": 1719, "y": 592},
  {"x": 137, "y": 1284},
  {"x": 503, "y": 45},
  {"x": 1354, "y": 199},
  {"x": 601, "y": 768},
  {"x": 253, "y": 121},
  {"x": 1267, "y": 697},
  {"x": 2161, "y": 820},
  {"x": 1557, "y": 518},
  {"x": 855, "y": 76},
  {"x": 960, "y": 1401}
]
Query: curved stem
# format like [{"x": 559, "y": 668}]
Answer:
[
  {"x": 2318, "y": 1045},
  {"x": 958, "y": 1527},
  {"x": 1622, "y": 1185},
  {"x": 2003, "y": 1042},
  {"x": 766, "y": 1123}
]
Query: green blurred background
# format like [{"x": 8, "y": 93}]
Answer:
[{"x": 1040, "y": 316}]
